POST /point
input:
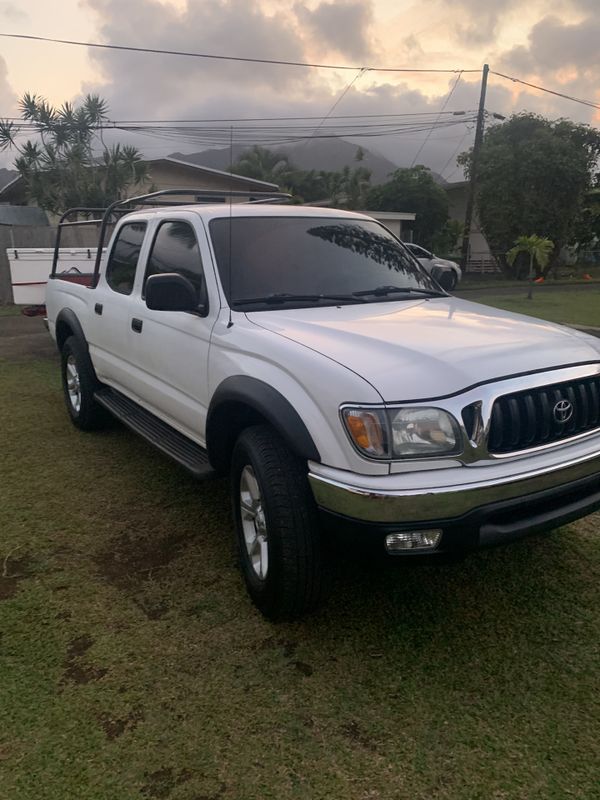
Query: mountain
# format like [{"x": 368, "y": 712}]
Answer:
[{"x": 320, "y": 154}]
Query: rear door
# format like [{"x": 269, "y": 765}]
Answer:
[
  {"x": 171, "y": 347},
  {"x": 110, "y": 336}
]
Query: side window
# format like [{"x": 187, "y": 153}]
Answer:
[
  {"x": 122, "y": 264},
  {"x": 175, "y": 249}
]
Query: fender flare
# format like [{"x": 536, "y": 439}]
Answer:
[
  {"x": 69, "y": 318},
  {"x": 262, "y": 399}
]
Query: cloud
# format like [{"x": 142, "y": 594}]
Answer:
[
  {"x": 478, "y": 20},
  {"x": 139, "y": 86},
  {"x": 554, "y": 44},
  {"x": 342, "y": 26},
  {"x": 8, "y": 104},
  {"x": 562, "y": 56},
  {"x": 12, "y": 12}
]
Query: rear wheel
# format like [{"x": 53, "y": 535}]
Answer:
[
  {"x": 79, "y": 384},
  {"x": 277, "y": 527}
]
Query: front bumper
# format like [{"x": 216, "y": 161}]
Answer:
[{"x": 472, "y": 514}]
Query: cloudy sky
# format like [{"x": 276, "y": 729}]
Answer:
[{"x": 549, "y": 42}]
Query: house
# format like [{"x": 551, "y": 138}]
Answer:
[
  {"x": 168, "y": 173},
  {"x": 481, "y": 258},
  {"x": 398, "y": 222}
]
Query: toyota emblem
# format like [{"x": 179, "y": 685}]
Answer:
[{"x": 563, "y": 411}]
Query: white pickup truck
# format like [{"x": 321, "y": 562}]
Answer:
[{"x": 305, "y": 352}]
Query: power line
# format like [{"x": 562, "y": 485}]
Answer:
[
  {"x": 426, "y": 139},
  {"x": 455, "y": 153},
  {"x": 220, "y": 57},
  {"x": 268, "y": 119},
  {"x": 285, "y": 119},
  {"x": 358, "y": 75},
  {"x": 548, "y": 91}
]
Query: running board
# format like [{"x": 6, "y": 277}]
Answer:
[{"x": 186, "y": 453}]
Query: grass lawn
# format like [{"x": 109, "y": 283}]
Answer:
[
  {"x": 133, "y": 666},
  {"x": 577, "y": 307}
]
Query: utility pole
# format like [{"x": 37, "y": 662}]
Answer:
[{"x": 474, "y": 164}]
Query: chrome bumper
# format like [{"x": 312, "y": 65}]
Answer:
[{"x": 381, "y": 504}]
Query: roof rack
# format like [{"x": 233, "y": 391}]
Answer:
[{"x": 111, "y": 213}]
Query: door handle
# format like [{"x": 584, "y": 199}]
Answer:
[
  {"x": 98, "y": 308},
  {"x": 136, "y": 325}
]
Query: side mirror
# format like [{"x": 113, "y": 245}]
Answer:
[
  {"x": 170, "y": 292},
  {"x": 446, "y": 278}
]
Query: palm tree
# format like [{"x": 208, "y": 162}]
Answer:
[
  {"x": 539, "y": 250},
  {"x": 69, "y": 164},
  {"x": 263, "y": 165}
]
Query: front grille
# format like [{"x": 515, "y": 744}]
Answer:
[{"x": 541, "y": 416}]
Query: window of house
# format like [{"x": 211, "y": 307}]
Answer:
[
  {"x": 123, "y": 260},
  {"x": 175, "y": 249}
]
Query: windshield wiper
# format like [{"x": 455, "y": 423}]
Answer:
[
  {"x": 287, "y": 297},
  {"x": 382, "y": 291}
]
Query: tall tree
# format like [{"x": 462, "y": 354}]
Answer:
[
  {"x": 263, "y": 164},
  {"x": 69, "y": 164},
  {"x": 414, "y": 190},
  {"x": 533, "y": 174}
]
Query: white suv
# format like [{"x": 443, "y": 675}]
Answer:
[
  {"x": 434, "y": 264},
  {"x": 305, "y": 353}
]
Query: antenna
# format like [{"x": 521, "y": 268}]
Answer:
[{"x": 230, "y": 321}]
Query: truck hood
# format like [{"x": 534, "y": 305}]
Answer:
[{"x": 419, "y": 349}]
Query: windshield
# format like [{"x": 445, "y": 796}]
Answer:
[{"x": 312, "y": 261}]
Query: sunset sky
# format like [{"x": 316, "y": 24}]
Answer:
[{"x": 548, "y": 42}]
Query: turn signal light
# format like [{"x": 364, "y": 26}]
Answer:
[{"x": 366, "y": 429}]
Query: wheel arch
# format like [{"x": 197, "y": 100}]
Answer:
[
  {"x": 241, "y": 401},
  {"x": 68, "y": 324}
]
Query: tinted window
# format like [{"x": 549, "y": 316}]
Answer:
[
  {"x": 175, "y": 249},
  {"x": 309, "y": 255},
  {"x": 120, "y": 271},
  {"x": 418, "y": 252}
]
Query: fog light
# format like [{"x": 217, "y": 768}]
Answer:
[{"x": 412, "y": 540}]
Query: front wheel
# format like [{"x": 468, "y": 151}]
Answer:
[{"x": 277, "y": 528}]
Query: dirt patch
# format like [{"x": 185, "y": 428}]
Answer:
[
  {"x": 272, "y": 642},
  {"x": 304, "y": 669},
  {"x": 162, "y": 782},
  {"x": 131, "y": 560},
  {"x": 24, "y": 339},
  {"x": 114, "y": 727},
  {"x": 153, "y": 610},
  {"x": 76, "y": 671},
  {"x": 352, "y": 731},
  {"x": 12, "y": 571}
]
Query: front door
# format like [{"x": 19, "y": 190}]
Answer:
[{"x": 171, "y": 347}]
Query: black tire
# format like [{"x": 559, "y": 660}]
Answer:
[
  {"x": 295, "y": 580},
  {"x": 89, "y": 416},
  {"x": 454, "y": 282}
]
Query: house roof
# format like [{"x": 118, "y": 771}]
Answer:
[
  {"x": 6, "y": 190},
  {"x": 392, "y": 215},
  {"x": 253, "y": 183},
  {"x": 211, "y": 171}
]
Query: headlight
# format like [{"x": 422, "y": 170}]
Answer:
[
  {"x": 402, "y": 433},
  {"x": 423, "y": 432}
]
